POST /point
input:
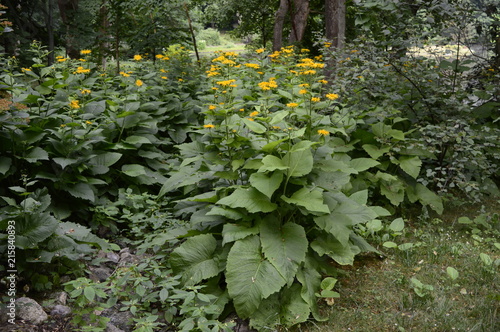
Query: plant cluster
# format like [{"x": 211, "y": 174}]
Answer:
[
  {"x": 73, "y": 138},
  {"x": 278, "y": 180}
]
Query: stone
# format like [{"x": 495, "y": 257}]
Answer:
[
  {"x": 61, "y": 311},
  {"x": 111, "y": 328},
  {"x": 30, "y": 311}
]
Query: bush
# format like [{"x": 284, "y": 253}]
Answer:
[{"x": 210, "y": 36}]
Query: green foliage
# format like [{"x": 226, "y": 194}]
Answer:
[
  {"x": 276, "y": 193},
  {"x": 154, "y": 297},
  {"x": 72, "y": 139},
  {"x": 210, "y": 36}
]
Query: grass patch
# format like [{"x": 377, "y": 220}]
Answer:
[{"x": 457, "y": 264}]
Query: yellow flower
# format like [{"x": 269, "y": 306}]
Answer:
[
  {"x": 250, "y": 119},
  {"x": 139, "y": 83},
  {"x": 327, "y": 44},
  {"x": 315, "y": 99},
  {"x": 226, "y": 83},
  {"x": 323, "y": 81},
  {"x": 159, "y": 56},
  {"x": 61, "y": 59},
  {"x": 209, "y": 126},
  {"x": 81, "y": 70},
  {"x": 75, "y": 104},
  {"x": 83, "y": 52},
  {"x": 180, "y": 80},
  {"x": 241, "y": 109},
  {"x": 88, "y": 122},
  {"x": 252, "y": 65},
  {"x": 85, "y": 91},
  {"x": 323, "y": 132},
  {"x": 212, "y": 107},
  {"x": 82, "y": 60},
  {"x": 124, "y": 74},
  {"x": 25, "y": 69},
  {"x": 260, "y": 50},
  {"x": 164, "y": 77},
  {"x": 137, "y": 57},
  {"x": 332, "y": 96},
  {"x": 304, "y": 85},
  {"x": 292, "y": 104},
  {"x": 254, "y": 114},
  {"x": 302, "y": 91}
]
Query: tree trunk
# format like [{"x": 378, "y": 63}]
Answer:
[
  {"x": 50, "y": 31},
  {"x": 334, "y": 31},
  {"x": 66, "y": 8},
  {"x": 299, "y": 15},
  {"x": 335, "y": 22},
  {"x": 278, "y": 25}
]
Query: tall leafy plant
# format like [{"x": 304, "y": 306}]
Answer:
[{"x": 269, "y": 181}]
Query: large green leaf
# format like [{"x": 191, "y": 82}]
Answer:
[
  {"x": 312, "y": 200},
  {"x": 254, "y": 126},
  {"x": 133, "y": 170},
  {"x": 310, "y": 279},
  {"x": 374, "y": 151},
  {"x": 34, "y": 228},
  {"x": 196, "y": 259},
  {"x": 337, "y": 225},
  {"x": 272, "y": 163},
  {"x": 425, "y": 196},
  {"x": 285, "y": 246},
  {"x": 102, "y": 161},
  {"x": 250, "y": 277},
  {"x": 266, "y": 183},
  {"x": 411, "y": 165},
  {"x": 328, "y": 245},
  {"x": 234, "y": 232},
  {"x": 5, "y": 164},
  {"x": 249, "y": 198},
  {"x": 362, "y": 164},
  {"x": 82, "y": 190},
  {"x": 299, "y": 162},
  {"x": 36, "y": 154}
]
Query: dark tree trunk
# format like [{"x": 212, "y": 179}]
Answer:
[
  {"x": 67, "y": 8},
  {"x": 299, "y": 14},
  {"x": 50, "y": 31},
  {"x": 279, "y": 22},
  {"x": 335, "y": 22}
]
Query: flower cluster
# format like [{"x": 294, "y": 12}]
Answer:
[{"x": 268, "y": 85}]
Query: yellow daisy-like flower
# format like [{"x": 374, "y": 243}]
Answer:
[
  {"x": 84, "y": 52},
  {"x": 25, "y": 69},
  {"x": 139, "y": 83},
  {"x": 252, "y": 65},
  {"x": 209, "y": 126},
  {"x": 323, "y": 81},
  {"x": 259, "y": 50},
  {"x": 137, "y": 57},
  {"x": 74, "y": 104},
  {"x": 332, "y": 96},
  {"x": 82, "y": 60},
  {"x": 88, "y": 122},
  {"x": 292, "y": 105},
  {"x": 323, "y": 132},
  {"x": 254, "y": 114},
  {"x": 61, "y": 59},
  {"x": 302, "y": 91},
  {"x": 212, "y": 107},
  {"x": 124, "y": 74},
  {"x": 241, "y": 110},
  {"x": 304, "y": 85},
  {"x": 315, "y": 99},
  {"x": 164, "y": 77},
  {"x": 159, "y": 56},
  {"x": 85, "y": 91},
  {"x": 226, "y": 83},
  {"x": 81, "y": 70},
  {"x": 180, "y": 80}
]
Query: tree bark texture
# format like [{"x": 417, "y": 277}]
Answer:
[
  {"x": 335, "y": 22},
  {"x": 66, "y": 8},
  {"x": 299, "y": 13},
  {"x": 279, "y": 22}
]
